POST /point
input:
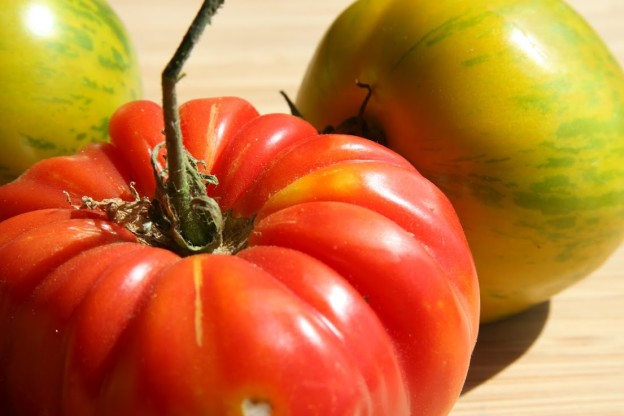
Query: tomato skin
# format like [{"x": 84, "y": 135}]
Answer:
[
  {"x": 91, "y": 299},
  {"x": 356, "y": 232},
  {"x": 240, "y": 164},
  {"x": 317, "y": 315},
  {"x": 251, "y": 361},
  {"x": 208, "y": 122},
  {"x": 294, "y": 163},
  {"x": 514, "y": 110},
  {"x": 25, "y": 267},
  {"x": 346, "y": 312},
  {"x": 67, "y": 66},
  {"x": 137, "y": 144}
]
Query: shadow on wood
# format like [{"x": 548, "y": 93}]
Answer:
[{"x": 501, "y": 343}]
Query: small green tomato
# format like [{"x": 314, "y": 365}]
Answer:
[{"x": 65, "y": 65}]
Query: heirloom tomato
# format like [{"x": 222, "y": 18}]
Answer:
[
  {"x": 514, "y": 109},
  {"x": 66, "y": 66},
  {"x": 343, "y": 285}
]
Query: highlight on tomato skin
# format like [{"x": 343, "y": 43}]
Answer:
[{"x": 340, "y": 287}]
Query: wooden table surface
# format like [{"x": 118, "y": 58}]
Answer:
[{"x": 562, "y": 358}]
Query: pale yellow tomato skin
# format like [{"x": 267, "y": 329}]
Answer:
[
  {"x": 514, "y": 109},
  {"x": 65, "y": 65}
]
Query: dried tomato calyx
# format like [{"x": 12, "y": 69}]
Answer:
[
  {"x": 188, "y": 217},
  {"x": 357, "y": 125},
  {"x": 133, "y": 215},
  {"x": 146, "y": 220}
]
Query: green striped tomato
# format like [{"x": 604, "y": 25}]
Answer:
[
  {"x": 514, "y": 109},
  {"x": 66, "y": 65}
]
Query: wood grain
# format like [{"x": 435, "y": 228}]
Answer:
[{"x": 565, "y": 357}]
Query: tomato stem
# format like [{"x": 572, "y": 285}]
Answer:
[
  {"x": 195, "y": 219},
  {"x": 359, "y": 125}
]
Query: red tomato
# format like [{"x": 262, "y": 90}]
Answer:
[{"x": 347, "y": 286}]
